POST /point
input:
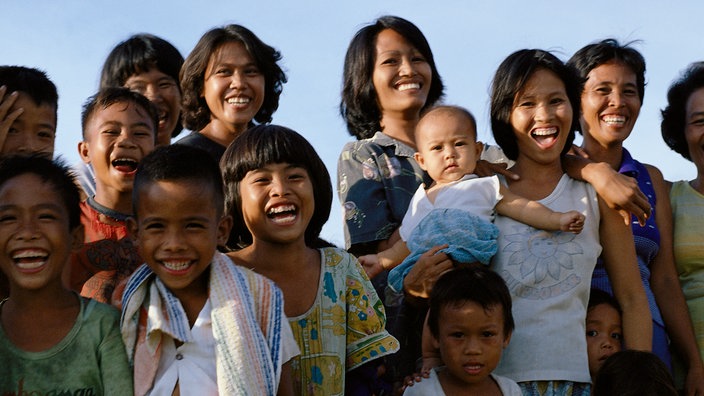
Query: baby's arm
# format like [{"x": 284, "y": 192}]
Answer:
[
  {"x": 374, "y": 264},
  {"x": 537, "y": 215}
]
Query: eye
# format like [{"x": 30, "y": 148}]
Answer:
[
  {"x": 110, "y": 132},
  {"x": 46, "y": 134},
  {"x": 488, "y": 334},
  {"x": 697, "y": 121},
  {"x": 526, "y": 103},
  {"x": 389, "y": 61},
  {"x": 166, "y": 84},
  {"x": 460, "y": 143},
  {"x": 13, "y": 131},
  {"x": 195, "y": 226},
  {"x": 556, "y": 101},
  {"x": 592, "y": 333},
  {"x": 223, "y": 71},
  {"x": 603, "y": 90},
  {"x": 630, "y": 92},
  {"x": 617, "y": 336},
  {"x": 457, "y": 334},
  {"x": 435, "y": 147},
  {"x": 139, "y": 88},
  {"x": 251, "y": 71},
  {"x": 7, "y": 218},
  {"x": 154, "y": 226}
]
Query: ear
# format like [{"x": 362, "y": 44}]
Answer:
[
  {"x": 435, "y": 342},
  {"x": 77, "y": 237},
  {"x": 224, "y": 227},
  {"x": 479, "y": 147},
  {"x": 420, "y": 160},
  {"x": 133, "y": 229},
  {"x": 83, "y": 151},
  {"x": 507, "y": 339}
]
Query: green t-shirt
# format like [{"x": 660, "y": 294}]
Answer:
[{"x": 90, "y": 360}]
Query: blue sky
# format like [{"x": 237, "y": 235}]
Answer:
[{"x": 69, "y": 39}]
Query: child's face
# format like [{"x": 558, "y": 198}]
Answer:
[
  {"x": 604, "y": 335},
  {"x": 234, "y": 87},
  {"x": 178, "y": 230},
  {"x": 471, "y": 340},
  {"x": 447, "y": 147},
  {"x": 33, "y": 131},
  {"x": 162, "y": 90},
  {"x": 401, "y": 75},
  {"x": 117, "y": 139},
  {"x": 277, "y": 202},
  {"x": 34, "y": 233}
]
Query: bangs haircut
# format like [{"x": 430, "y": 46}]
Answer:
[
  {"x": 273, "y": 144},
  {"x": 179, "y": 163},
  {"x": 509, "y": 81},
  {"x": 358, "y": 105},
  {"x": 54, "y": 172},
  {"x": 33, "y": 82},
  {"x": 139, "y": 54},
  {"x": 477, "y": 284},
  {"x": 195, "y": 111},
  {"x": 109, "y": 96}
]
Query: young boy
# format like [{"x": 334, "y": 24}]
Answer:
[
  {"x": 193, "y": 322},
  {"x": 28, "y": 104},
  {"x": 119, "y": 129},
  {"x": 604, "y": 331},
  {"x": 52, "y": 341},
  {"x": 471, "y": 323},
  {"x": 458, "y": 208}
]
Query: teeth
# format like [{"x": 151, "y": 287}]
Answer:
[
  {"x": 281, "y": 209},
  {"x": 613, "y": 119},
  {"x": 238, "y": 100},
  {"x": 29, "y": 254},
  {"x": 404, "y": 87},
  {"x": 545, "y": 131},
  {"x": 177, "y": 265},
  {"x": 30, "y": 259}
]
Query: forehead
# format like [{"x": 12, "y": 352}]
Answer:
[
  {"x": 612, "y": 71},
  {"x": 444, "y": 124},
  {"x": 468, "y": 312},
  {"x": 391, "y": 40},
  {"x": 123, "y": 111},
  {"x": 542, "y": 82},
  {"x": 178, "y": 196},
  {"x": 41, "y": 112},
  {"x": 695, "y": 102},
  {"x": 231, "y": 52},
  {"x": 14, "y": 191},
  {"x": 151, "y": 74}
]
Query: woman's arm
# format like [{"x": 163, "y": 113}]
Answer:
[
  {"x": 419, "y": 282},
  {"x": 619, "y": 256},
  {"x": 286, "y": 381},
  {"x": 668, "y": 292},
  {"x": 619, "y": 192}
]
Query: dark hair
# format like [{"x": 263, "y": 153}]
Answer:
[
  {"x": 674, "y": 116},
  {"x": 271, "y": 144},
  {"x": 455, "y": 111},
  {"x": 56, "y": 173},
  {"x": 109, "y": 96},
  {"x": 358, "y": 105},
  {"x": 509, "y": 80},
  {"x": 598, "y": 297},
  {"x": 31, "y": 81},
  {"x": 139, "y": 54},
  {"x": 476, "y": 284},
  {"x": 610, "y": 50},
  {"x": 196, "y": 114},
  {"x": 176, "y": 163},
  {"x": 633, "y": 373}
]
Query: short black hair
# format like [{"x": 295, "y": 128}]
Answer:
[
  {"x": 477, "y": 284},
  {"x": 358, "y": 105},
  {"x": 139, "y": 54},
  {"x": 594, "y": 55},
  {"x": 107, "y": 97},
  {"x": 510, "y": 78},
  {"x": 674, "y": 116},
  {"x": 598, "y": 297},
  {"x": 176, "y": 163},
  {"x": 634, "y": 373},
  {"x": 195, "y": 111},
  {"x": 271, "y": 144},
  {"x": 34, "y": 82},
  {"x": 55, "y": 172}
]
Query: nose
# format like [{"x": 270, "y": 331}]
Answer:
[
  {"x": 544, "y": 112},
  {"x": 152, "y": 93},
  {"x": 471, "y": 346},
  {"x": 406, "y": 69},
  {"x": 450, "y": 152},
  {"x": 616, "y": 99},
  {"x": 279, "y": 187},
  {"x": 125, "y": 140},
  {"x": 26, "y": 230},
  {"x": 174, "y": 241},
  {"x": 237, "y": 80}
]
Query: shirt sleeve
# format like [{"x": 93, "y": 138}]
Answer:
[{"x": 367, "y": 338}]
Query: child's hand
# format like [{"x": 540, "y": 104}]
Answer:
[
  {"x": 572, "y": 221},
  {"x": 429, "y": 363},
  {"x": 371, "y": 265},
  {"x": 6, "y": 120}
]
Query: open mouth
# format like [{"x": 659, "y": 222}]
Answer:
[
  {"x": 282, "y": 214},
  {"x": 407, "y": 86},
  {"x": 614, "y": 120},
  {"x": 125, "y": 165},
  {"x": 177, "y": 265},
  {"x": 544, "y": 136},
  {"x": 239, "y": 101},
  {"x": 30, "y": 259}
]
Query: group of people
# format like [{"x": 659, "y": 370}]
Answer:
[{"x": 522, "y": 268}]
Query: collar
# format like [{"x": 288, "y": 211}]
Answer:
[
  {"x": 400, "y": 149},
  {"x": 628, "y": 165},
  {"x": 113, "y": 214}
]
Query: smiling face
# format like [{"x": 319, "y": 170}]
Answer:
[
  {"x": 117, "y": 138},
  {"x": 694, "y": 128},
  {"x": 447, "y": 147},
  {"x": 604, "y": 335},
  {"x": 401, "y": 76},
  {"x": 162, "y": 90},
  {"x": 471, "y": 340},
  {"x": 178, "y": 230},
  {"x": 233, "y": 89},
  {"x": 34, "y": 131},
  {"x": 277, "y": 203},
  {"x": 610, "y": 105},
  {"x": 35, "y": 235},
  {"x": 541, "y": 118}
]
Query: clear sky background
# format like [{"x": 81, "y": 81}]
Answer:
[{"x": 70, "y": 39}]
